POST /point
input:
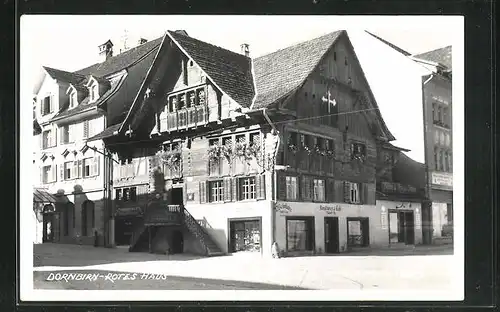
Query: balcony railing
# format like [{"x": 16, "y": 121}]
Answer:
[
  {"x": 391, "y": 188},
  {"x": 185, "y": 109}
]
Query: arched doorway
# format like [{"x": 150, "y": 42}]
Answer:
[
  {"x": 88, "y": 218},
  {"x": 48, "y": 223}
]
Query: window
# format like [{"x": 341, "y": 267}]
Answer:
[
  {"x": 445, "y": 116},
  {"x": 247, "y": 188},
  {"x": 126, "y": 194},
  {"x": 357, "y": 232},
  {"x": 216, "y": 190},
  {"x": 245, "y": 235},
  {"x": 358, "y": 150},
  {"x": 433, "y": 112},
  {"x": 67, "y": 134},
  {"x": 319, "y": 190},
  {"x": 450, "y": 162},
  {"x": 46, "y": 105},
  {"x": 291, "y": 188},
  {"x": 90, "y": 167},
  {"x": 48, "y": 174},
  {"x": 300, "y": 233},
  {"x": 345, "y": 61},
  {"x": 94, "y": 95},
  {"x": 334, "y": 55},
  {"x": 436, "y": 136},
  {"x": 72, "y": 100},
  {"x": 445, "y": 162},
  {"x": 133, "y": 194},
  {"x": 440, "y": 161},
  {"x": 118, "y": 194},
  {"x": 307, "y": 188},
  {"x": 48, "y": 139},
  {"x": 439, "y": 117},
  {"x": 69, "y": 170},
  {"x": 354, "y": 193}
]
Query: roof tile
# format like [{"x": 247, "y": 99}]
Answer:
[
  {"x": 64, "y": 76},
  {"x": 441, "y": 55},
  {"x": 231, "y": 71}
]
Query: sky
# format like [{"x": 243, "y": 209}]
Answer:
[{"x": 70, "y": 42}]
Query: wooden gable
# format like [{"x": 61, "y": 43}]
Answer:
[{"x": 334, "y": 95}]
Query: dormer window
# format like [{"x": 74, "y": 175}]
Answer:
[
  {"x": 94, "y": 94},
  {"x": 73, "y": 100}
]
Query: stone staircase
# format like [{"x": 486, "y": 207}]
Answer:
[{"x": 197, "y": 230}]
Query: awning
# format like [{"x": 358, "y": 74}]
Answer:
[{"x": 43, "y": 197}]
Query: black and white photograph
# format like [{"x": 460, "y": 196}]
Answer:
[{"x": 186, "y": 157}]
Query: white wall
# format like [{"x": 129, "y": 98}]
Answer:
[
  {"x": 217, "y": 216},
  {"x": 396, "y": 83},
  {"x": 378, "y": 237}
]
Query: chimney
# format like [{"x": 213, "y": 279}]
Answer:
[
  {"x": 106, "y": 50},
  {"x": 245, "y": 49},
  {"x": 142, "y": 41}
]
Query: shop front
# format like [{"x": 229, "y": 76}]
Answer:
[
  {"x": 441, "y": 196},
  {"x": 316, "y": 228},
  {"x": 126, "y": 221},
  {"x": 402, "y": 221}
]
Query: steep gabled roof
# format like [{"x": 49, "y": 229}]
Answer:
[
  {"x": 64, "y": 76},
  {"x": 442, "y": 56},
  {"x": 281, "y": 72},
  {"x": 392, "y": 45},
  {"x": 119, "y": 62},
  {"x": 230, "y": 71}
]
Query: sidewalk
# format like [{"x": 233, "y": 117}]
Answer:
[{"x": 313, "y": 272}]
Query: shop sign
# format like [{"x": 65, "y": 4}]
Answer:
[
  {"x": 418, "y": 218},
  {"x": 441, "y": 178},
  {"x": 383, "y": 220},
  {"x": 129, "y": 211},
  {"x": 330, "y": 209}
]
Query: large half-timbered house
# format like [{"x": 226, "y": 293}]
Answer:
[{"x": 220, "y": 152}]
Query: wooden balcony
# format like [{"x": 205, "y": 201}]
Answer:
[
  {"x": 396, "y": 188},
  {"x": 185, "y": 109}
]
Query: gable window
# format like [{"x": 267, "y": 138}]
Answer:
[
  {"x": 247, "y": 188},
  {"x": 319, "y": 190},
  {"x": 358, "y": 151},
  {"x": 72, "y": 100},
  {"x": 94, "y": 94},
  {"x": 216, "y": 191},
  {"x": 46, "y": 105},
  {"x": 291, "y": 188},
  {"x": 48, "y": 174}
]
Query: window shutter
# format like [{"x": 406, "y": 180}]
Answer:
[
  {"x": 330, "y": 190},
  {"x": 51, "y": 103},
  {"x": 96, "y": 165},
  {"x": 260, "y": 181},
  {"x": 54, "y": 173},
  {"x": 347, "y": 193},
  {"x": 235, "y": 189},
  {"x": 40, "y": 104},
  {"x": 281, "y": 187},
  {"x": 54, "y": 135},
  {"x": 184, "y": 193},
  {"x": 61, "y": 172},
  {"x": 203, "y": 192},
  {"x": 41, "y": 175},
  {"x": 227, "y": 189}
]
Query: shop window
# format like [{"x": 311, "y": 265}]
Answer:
[
  {"x": 357, "y": 232},
  {"x": 319, "y": 190},
  {"x": 247, "y": 188},
  {"x": 216, "y": 191},
  {"x": 245, "y": 235},
  {"x": 300, "y": 233},
  {"x": 291, "y": 188}
]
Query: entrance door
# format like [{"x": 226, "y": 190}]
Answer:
[
  {"x": 409, "y": 228},
  {"x": 124, "y": 229},
  {"x": 176, "y": 196},
  {"x": 177, "y": 242},
  {"x": 48, "y": 228},
  {"x": 331, "y": 235}
]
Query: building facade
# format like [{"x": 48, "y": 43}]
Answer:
[{"x": 252, "y": 156}]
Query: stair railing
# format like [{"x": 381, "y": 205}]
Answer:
[{"x": 195, "y": 228}]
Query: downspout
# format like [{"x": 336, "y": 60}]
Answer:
[
  {"x": 425, "y": 226},
  {"x": 274, "y": 175}
]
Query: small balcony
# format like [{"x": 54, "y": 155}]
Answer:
[{"x": 185, "y": 109}]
